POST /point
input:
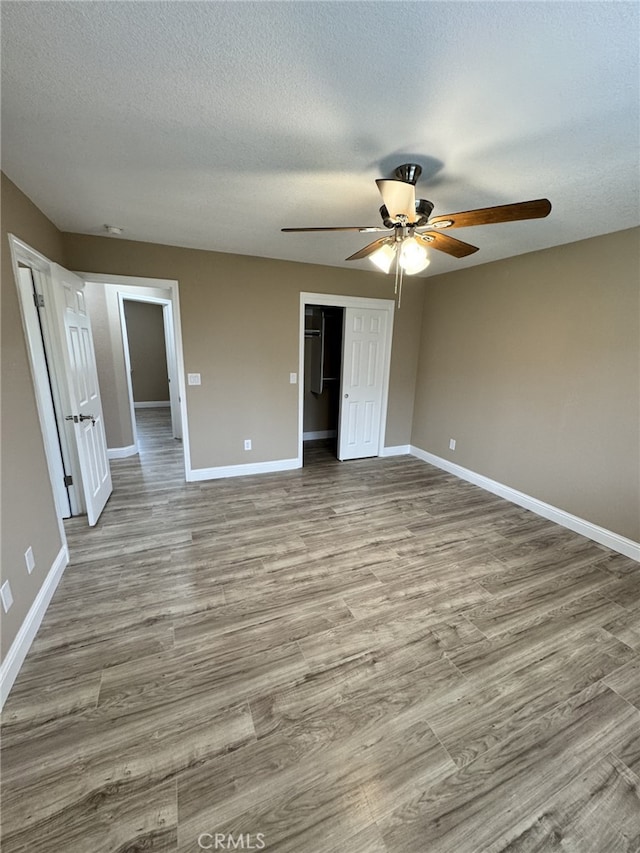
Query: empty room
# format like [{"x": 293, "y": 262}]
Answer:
[{"x": 320, "y": 427}]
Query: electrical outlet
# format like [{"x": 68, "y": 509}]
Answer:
[
  {"x": 452, "y": 444},
  {"x": 6, "y": 596},
  {"x": 29, "y": 559},
  {"x": 247, "y": 444},
  {"x": 193, "y": 379}
]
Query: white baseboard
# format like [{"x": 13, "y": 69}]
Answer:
[
  {"x": 122, "y": 452},
  {"x": 22, "y": 643},
  {"x": 316, "y": 435},
  {"x": 573, "y": 522},
  {"x": 398, "y": 450},
  {"x": 152, "y": 404},
  {"x": 196, "y": 474}
]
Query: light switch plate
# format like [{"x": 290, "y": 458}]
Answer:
[
  {"x": 193, "y": 379},
  {"x": 293, "y": 378},
  {"x": 6, "y": 596},
  {"x": 29, "y": 559}
]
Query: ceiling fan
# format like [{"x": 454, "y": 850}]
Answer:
[{"x": 411, "y": 228}]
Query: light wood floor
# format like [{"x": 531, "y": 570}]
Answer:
[{"x": 365, "y": 656}]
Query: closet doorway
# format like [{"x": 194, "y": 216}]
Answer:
[
  {"x": 322, "y": 373},
  {"x": 345, "y": 356}
]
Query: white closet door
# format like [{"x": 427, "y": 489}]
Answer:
[{"x": 363, "y": 361}]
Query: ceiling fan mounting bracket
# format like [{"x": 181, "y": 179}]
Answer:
[{"x": 408, "y": 172}]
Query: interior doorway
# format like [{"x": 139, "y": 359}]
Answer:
[
  {"x": 62, "y": 359},
  {"x": 30, "y": 287},
  {"x": 53, "y": 311},
  {"x": 345, "y": 342},
  {"x": 149, "y": 357},
  {"x": 110, "y": 295},
  {"x": 322, "y": 376}
]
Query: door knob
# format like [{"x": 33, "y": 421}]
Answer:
[
  {"x": 78, "y": 418},
  {"x": 345, "y": 396}
]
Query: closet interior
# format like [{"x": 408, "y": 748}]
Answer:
[{"x": 322, "y": 375}]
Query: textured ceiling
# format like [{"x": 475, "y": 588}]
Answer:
[{"x": 214, "y": 124}]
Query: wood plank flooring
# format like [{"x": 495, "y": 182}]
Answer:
[{"x": 370, "y": 656}]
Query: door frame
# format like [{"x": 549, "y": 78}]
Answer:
[
  {"x": 172, "y": 372},
  {"x": 122, "y": 283},
  {"x": 340, "y": 301},
  {"x": 41, "y": 350}
]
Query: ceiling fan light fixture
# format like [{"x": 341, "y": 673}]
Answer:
[
  {"x": 383, "y": 257},
  {"x": 424, "y": 209},
  {"x": 413, "y": 257}
]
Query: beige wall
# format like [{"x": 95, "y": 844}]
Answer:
[
  {"x": 147, "y": 352},
  {"x": 532, "y": 365},
  {"x": 240, "y": 318},
  {"x": 28, "y": 510}
]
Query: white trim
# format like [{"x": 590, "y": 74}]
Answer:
[
  {"x": 316, "y": 435},
  {"x": 127, "y": 366},
  {"x": 42, "y": 389},
  {"x": 173, "y": 286},
  {"x": 242, "y": 470},
  {"x": 172, "y": 369},
  {"x": 339, "y": 301},
  {"x": 398, "y": 450},
  {"x": 152, "y": 404},
  {"x": 137, "y": 294},
  {"x": 573, "y": 522},
  {"x": 122, "y": 452},
  {"x": 29, "y": 628}
]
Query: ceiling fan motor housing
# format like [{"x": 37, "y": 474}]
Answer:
[{"x": 423, "y": 212}]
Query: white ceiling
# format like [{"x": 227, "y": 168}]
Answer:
[{"x": 214, "y": 124}]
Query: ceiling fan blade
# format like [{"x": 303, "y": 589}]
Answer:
[
  {"x": 368, "y": 250},
  {"x": 399, "y": 198},
  {"x": 536, "y": 209},
  {"x": 363, "y": 229},
  {"x": 444, "y": 243}
]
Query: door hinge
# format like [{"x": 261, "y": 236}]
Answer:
[
  {"x": 68, "y": 480},
  {"x": 38, "y": 299}
]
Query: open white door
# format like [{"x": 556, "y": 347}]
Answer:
[
  {"x": 84, "y": 407},
  {"x": 363, "y": 378}
]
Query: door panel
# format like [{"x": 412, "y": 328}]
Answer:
[
  {"x": 362, "y": 382},
  {"x": 82, "y": 391}
]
